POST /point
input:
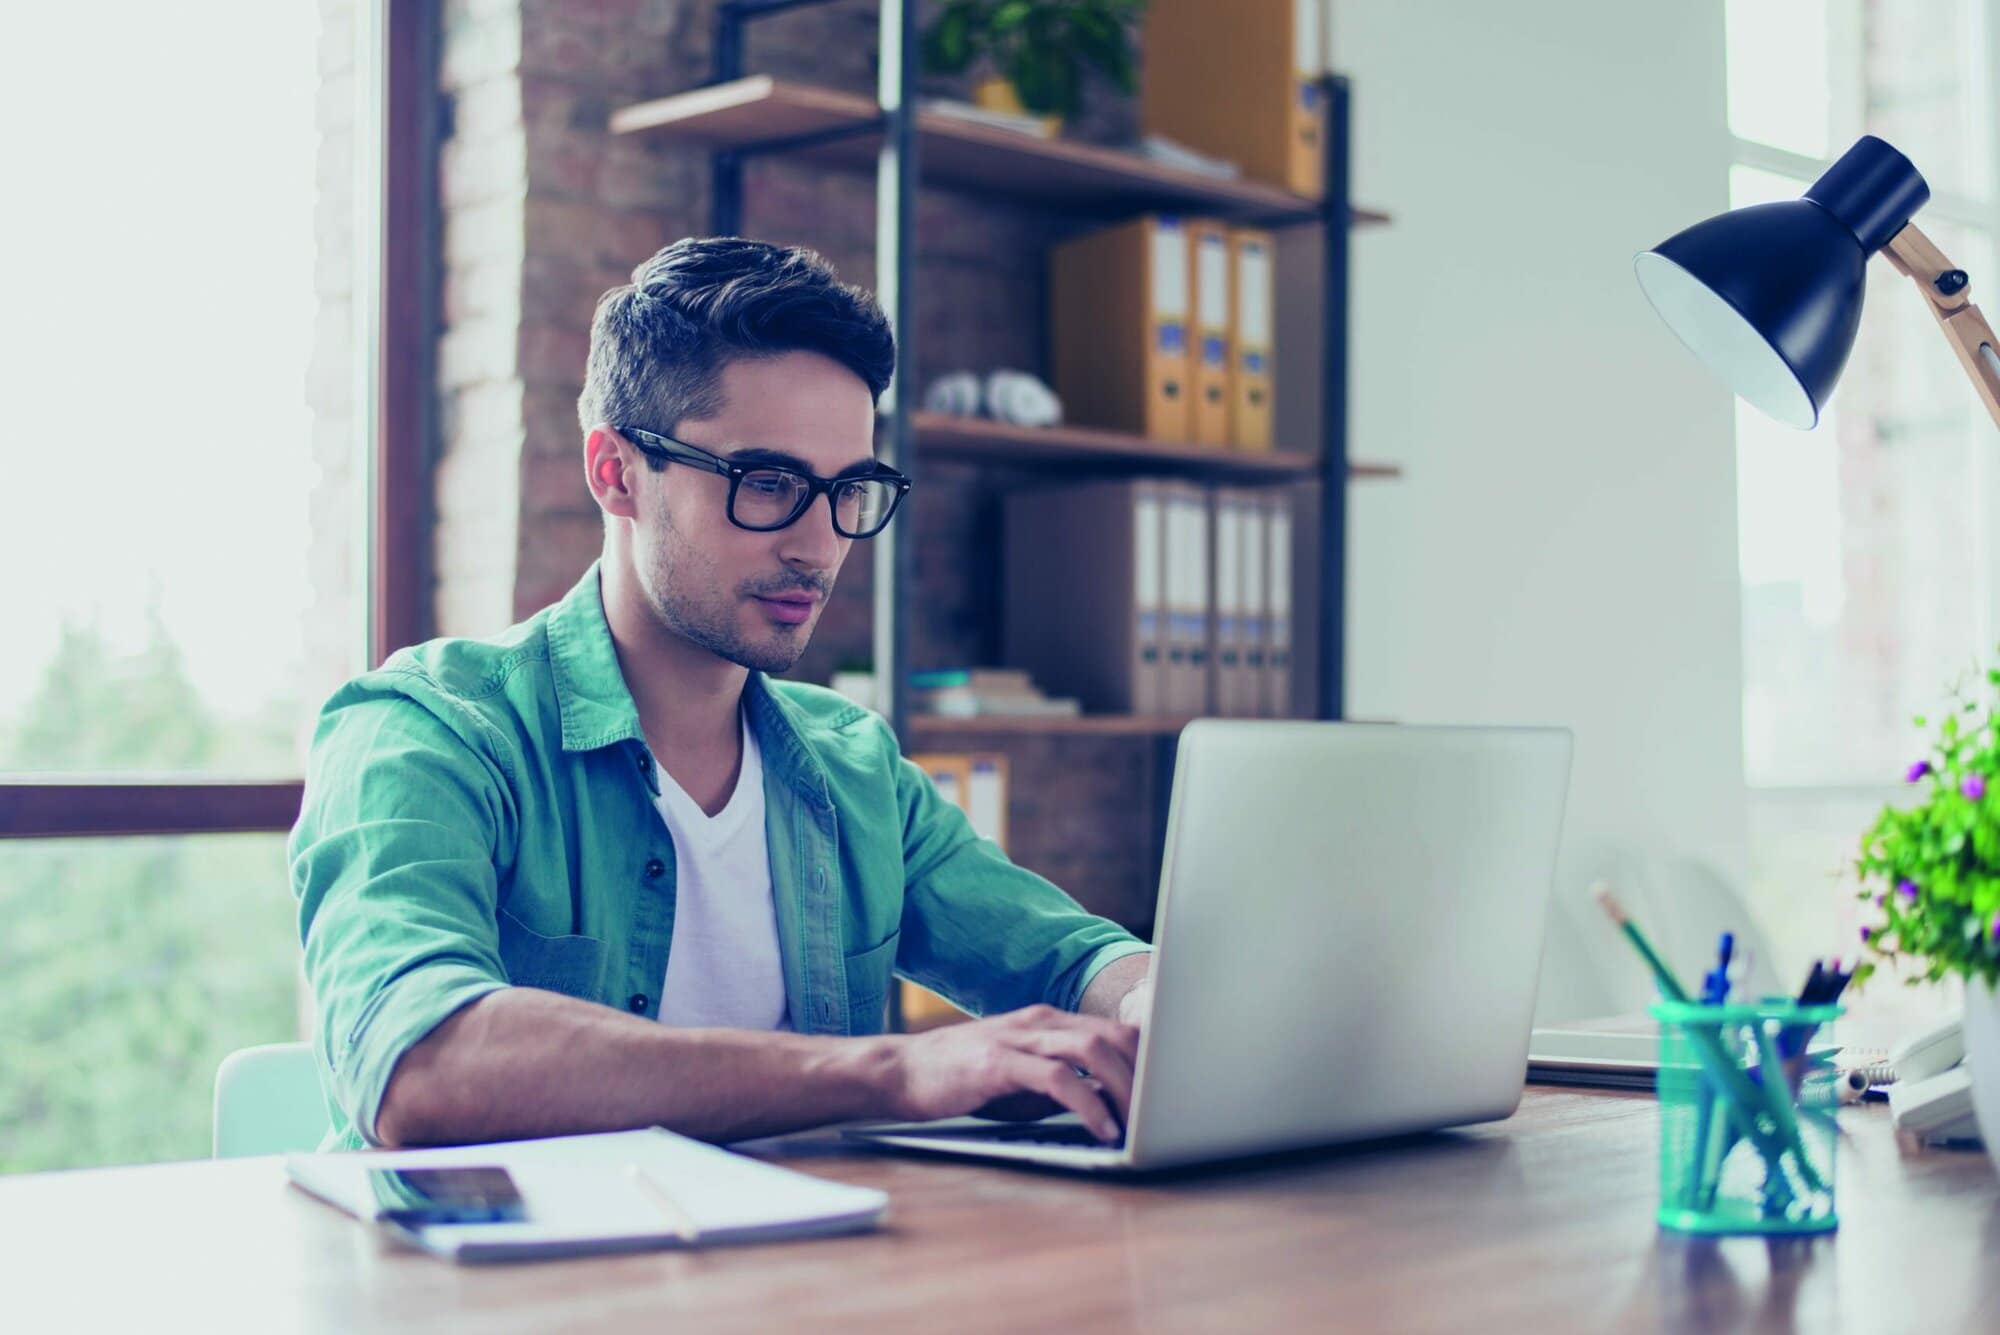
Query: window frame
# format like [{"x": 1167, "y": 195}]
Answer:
[
  {"x": 1845, "y": 55},
  {"x": 395, "y": 179}
]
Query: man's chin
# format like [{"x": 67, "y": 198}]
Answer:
[{"x": 776, "y": 649}]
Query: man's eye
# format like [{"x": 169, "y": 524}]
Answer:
[{"x": 768, "y": 484}]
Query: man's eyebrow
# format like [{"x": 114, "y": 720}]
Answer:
[{"x": 760, "y": 455}]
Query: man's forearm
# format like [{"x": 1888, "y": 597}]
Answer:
[{"x": 522, "y": 1062}]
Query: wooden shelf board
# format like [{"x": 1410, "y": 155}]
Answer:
[
  {"x": 1090, "y": 725},
  {"x": 748, "y": 112},
  {"x": 1087, "y": 447}
]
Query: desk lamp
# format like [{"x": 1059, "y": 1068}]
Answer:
[{"x": 1768, "y": 297}]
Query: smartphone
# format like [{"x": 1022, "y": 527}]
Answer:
[{"x": 471, "y": 1195}]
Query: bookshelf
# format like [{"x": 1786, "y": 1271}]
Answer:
[
  {"x": 1089, "y": 449},
  {"x": 739, "y": 116},
  {"x": 760, "y": 114},
  {"x": 934, "y": 727}
]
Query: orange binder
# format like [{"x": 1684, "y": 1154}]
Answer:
[
  {"x": 1239, "y": 81},
  {"x": 1119, "y": 308},
  {"x": 1250, "y": 369},
  {"x": 1208, "y": 244}
]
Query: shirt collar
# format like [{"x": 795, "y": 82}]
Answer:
[
  {"x": 591, "y": 697},
  {"x": 597, "y": 710}
]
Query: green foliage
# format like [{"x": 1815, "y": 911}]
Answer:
[
  {"x": 1042, "y": 47},
  {"x": 130, "y": 967},
  {"x": 1933, "y": 869}
]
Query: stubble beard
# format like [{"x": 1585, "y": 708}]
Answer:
[{"x": 687, "y": 596}]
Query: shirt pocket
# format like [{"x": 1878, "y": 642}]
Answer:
[
  {"x": 571, "y": 965},
  {"x": 868, "y": 976}
]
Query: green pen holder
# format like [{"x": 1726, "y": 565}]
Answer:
[{"x": 1740, "y": 1152}]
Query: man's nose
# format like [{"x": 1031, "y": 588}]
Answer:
[{"x": 812, "y": 541}]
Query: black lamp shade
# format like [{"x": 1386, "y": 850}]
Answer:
[{"x": 1769, "y": 296}]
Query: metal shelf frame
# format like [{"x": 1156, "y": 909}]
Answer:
[{"x": 898, "y": 175}]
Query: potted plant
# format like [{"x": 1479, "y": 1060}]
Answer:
[
  {"x": 1035, "y": 51},
  {"x": 1932, "y": 871}
]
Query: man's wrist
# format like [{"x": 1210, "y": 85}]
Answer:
[
  {"x": 1105, "y": 995},
  {"x": 865, "y": 1076}
]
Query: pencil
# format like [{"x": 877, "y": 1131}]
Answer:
[{"x": 679, "y": 1220}]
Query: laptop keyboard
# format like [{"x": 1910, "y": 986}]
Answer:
[{"x": 1033, "y": 1133}]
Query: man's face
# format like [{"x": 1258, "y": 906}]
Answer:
[{"x": 753, "y": 598}]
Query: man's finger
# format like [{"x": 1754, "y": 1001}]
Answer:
[
  {"x": 1059, "y": 1082},
  {"x": 1102, "y": 1059}
]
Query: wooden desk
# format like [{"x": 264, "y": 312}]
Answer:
[{"x": 1543, "y": 1222}]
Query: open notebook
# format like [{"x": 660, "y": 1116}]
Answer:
[{"x": 581, "y": 1198}]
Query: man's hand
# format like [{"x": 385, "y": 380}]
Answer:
[{"x": 987, "y": 1065}]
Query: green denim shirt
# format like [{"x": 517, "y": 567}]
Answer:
[{"x": 479, "y": 814}]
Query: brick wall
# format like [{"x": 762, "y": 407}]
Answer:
[{"x": 544, "y": 209}]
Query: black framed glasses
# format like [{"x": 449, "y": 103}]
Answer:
[{"x": 764, "y": 497}]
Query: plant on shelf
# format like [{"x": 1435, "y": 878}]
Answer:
[
  {"x": 1932, "y": 870},
  {"x": 1036, "y": 50}
]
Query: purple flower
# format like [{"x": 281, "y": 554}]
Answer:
[
  {"x": 1973, "y": 786},
  {"x": 1908, "y": 890},
  {"x": 1996, "y": 927},
  {"x": 1882, "y": 900},
  {"x": 1917, "y": 771},
  {"x": 1866, "y": 932}
]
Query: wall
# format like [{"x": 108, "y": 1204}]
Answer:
[{"x": 1563, "y": 547}]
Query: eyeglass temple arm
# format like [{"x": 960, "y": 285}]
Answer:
[{"x": 1948, "y": 290}]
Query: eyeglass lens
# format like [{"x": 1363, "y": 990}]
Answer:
[{"x": 769, "y": 498}]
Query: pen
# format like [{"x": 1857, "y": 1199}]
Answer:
[
  {"x": 680, "y": 1221},
  {"x": 1715, "y": 984},
  {"x": 1743, "y": 1098}
]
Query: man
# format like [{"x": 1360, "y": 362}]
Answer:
[{"x": 601, "y": 871}]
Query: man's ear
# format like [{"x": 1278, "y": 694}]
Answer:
[{"x": 609, "y": 466}]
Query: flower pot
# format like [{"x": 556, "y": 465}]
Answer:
[
  {"x": 1982, "y": 1060},
  {"x": 997, "y": 94}
]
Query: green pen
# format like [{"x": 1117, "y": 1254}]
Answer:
[{"x": 1744, "y": 1096}]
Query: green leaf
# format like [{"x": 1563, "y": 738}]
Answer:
[
  {"x": 1045, "y": 80},
  {"x": 1012, "y": 14},
  {"x": 948, "y": 46}
]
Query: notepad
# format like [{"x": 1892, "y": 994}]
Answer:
[
  {"x": 1617, "y": 1052},
  {"x": 581, "y": 1197}
]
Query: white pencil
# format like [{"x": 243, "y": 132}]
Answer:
[{"x": 681, "y": 1222}]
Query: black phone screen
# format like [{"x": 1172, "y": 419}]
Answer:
[{"x": 470, "y": 1195}]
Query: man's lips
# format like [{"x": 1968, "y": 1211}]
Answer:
[{"x": 791, "y": 608}]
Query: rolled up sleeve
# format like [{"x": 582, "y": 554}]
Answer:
[
  {"x": 989, "y": 935},
  {"x": 394, "y": 863}
]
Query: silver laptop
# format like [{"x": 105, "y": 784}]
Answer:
[{"x": 1349, "y": 936}]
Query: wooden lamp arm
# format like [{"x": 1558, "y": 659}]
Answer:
[{"x": 1948, "y": 290}]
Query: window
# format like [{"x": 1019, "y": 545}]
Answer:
[
  {"x": 201, "y": 479},
  {"x": 1869, "y": 563}
]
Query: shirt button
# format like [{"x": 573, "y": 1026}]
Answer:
[
  {"x": 655, "y": 869},
  {"x": 819, "y": 878},
  {"x": 638, "y": 1003}
]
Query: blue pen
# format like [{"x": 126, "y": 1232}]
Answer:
[{"x": 1715, "y": 983}]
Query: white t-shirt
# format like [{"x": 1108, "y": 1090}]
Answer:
[{"x": 723, "y": 966}]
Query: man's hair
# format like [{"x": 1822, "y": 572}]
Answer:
[{"x": 658, "y": 346}]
